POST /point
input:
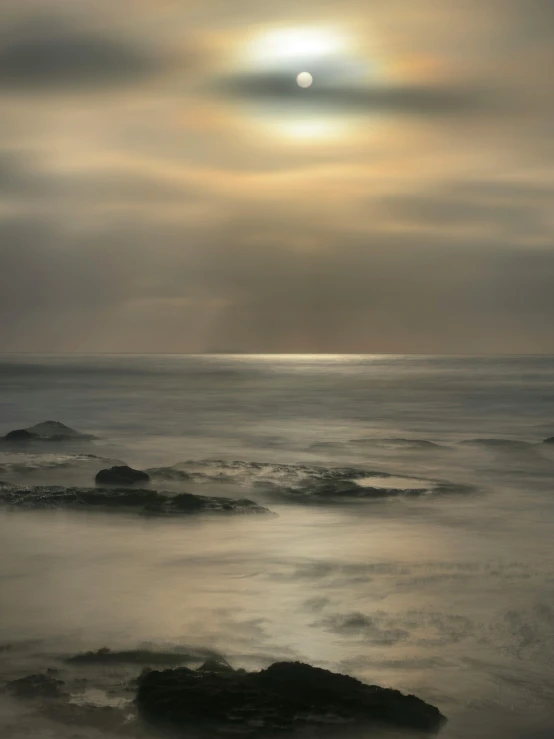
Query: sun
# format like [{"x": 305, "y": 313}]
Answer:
[{"x": 304, "y": 79}]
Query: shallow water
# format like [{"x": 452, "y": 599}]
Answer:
[{"x": 449, "y": 596}]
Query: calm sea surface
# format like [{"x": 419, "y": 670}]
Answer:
[{"x": 448, "y": 596}]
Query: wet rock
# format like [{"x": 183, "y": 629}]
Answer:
[
  {"x": 36, "y": 686},
  {"x": 219, "y": 666},
  {"x": 143, "y": 501},
  {"x": 284, "y": 697},
  {"x": 45, "y": 431},
  {"x": 550, "y": 440},
  {"x": 508, "y": 445},
  {"x": 105, "y": 656},
  {"x": 325, "y": 492},
  {"x": 122, "y": 476},
  {"x": 20, "y": 435},
  {"x": 186, "y": 504}
]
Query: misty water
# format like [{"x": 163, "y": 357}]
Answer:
[{"x": 448, "y": 594}]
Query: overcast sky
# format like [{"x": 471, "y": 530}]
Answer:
[{"x": 165, "y": 186}]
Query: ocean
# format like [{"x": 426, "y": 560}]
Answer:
[{"x": 444, "y": 589}]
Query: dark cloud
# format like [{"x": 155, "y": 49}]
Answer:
[
  {"x": 51, "y": 56},
  {"x": 281, "y": 88}
]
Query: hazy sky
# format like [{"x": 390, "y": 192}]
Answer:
[{"x": 165, "y": 185}]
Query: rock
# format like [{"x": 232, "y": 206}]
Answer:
[
  {"x": 54, "y": 430},
  {"x": 36, "y": 686},
  {"x": 219, "y": 666},
  {"x": 143, "y": 501},
  {"x": 285, "y": 696},
  {"x": 20, "y": 435},
  {"x": 122, "y": 476},
  {"x": 549, "y": 440},
  {"x": 105, "y": 656},
  {"x": 46, "y": 431}
]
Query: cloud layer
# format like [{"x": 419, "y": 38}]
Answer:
[
  {"x": 37, "y": 55},
  {"x": 155, "y": 198}
]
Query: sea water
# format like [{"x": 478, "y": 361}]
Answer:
[{"x": 449, "y": 596}]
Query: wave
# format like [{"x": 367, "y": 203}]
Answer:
[
  {"x": 393, "y": 443},
  {"x": 512, "y": 445},
  {"x": 306, "y": 482},
  {"x": 30, "y": 463}
]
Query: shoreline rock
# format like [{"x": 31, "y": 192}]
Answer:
[
  {"x": 142, "y": 501},
  {"x": 286, "y": 696},
  {"x": 106, "y": 656},
  {"x": 121, "y": 476},
  {"x": 47, "y": 431}
]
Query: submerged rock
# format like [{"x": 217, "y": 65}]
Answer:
[
  {"x": 508, "y": 445},
  {"x": 122, "y": 476},
  {"x": 286, "y": 696},
  {"x": 46, "y": 431},
  {"x": 36, "y": 686},
  {"x": 144, "y": 501},
  {"x": 311, "y": 483}
]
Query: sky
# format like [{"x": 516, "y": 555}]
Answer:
[{"x": 167, "y": 186}]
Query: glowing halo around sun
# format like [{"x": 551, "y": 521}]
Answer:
[
  {"x": 336, "y": 60},
  {"x": 281, "y": 46},
  {"x": 304, "y": 79}
]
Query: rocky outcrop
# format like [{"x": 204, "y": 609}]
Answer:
[
  {"x": 143, "y": 501},
  {"x": 144, "y": 657},
  {"x": 45, "y": 432},
  {"x": 19, "y": 435},
  {"x": 549, "y": 440},
  {"x": 123, "y": 476},
  {"x": 284, "y": 697},
  {"x": 36, "y": 686}
]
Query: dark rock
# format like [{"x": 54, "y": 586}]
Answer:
[
  {"x": 285, "y": 696},
  {"x": 106, "y": 656},
  {"x": 549, "y": 440},
  {"x": 36, "y": 686},
  {"x": 20, "y": 435},
  {"x": 46, "y": 431},
  {"x": 508, "y": 445},
  {"x": 146, "y": 502},
  {"x": 187, "y": 503},
  {"x": 218, "y": 665},
  {"x": 122, "y": 476},
  {"x": 56, "y": 430}
]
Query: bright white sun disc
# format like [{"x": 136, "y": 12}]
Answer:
[{"x": 304, "y": 79}]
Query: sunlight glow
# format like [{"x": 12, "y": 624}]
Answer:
[
  {"x": 312, "y": 129},
  {"x": 294, "y": 45}
]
